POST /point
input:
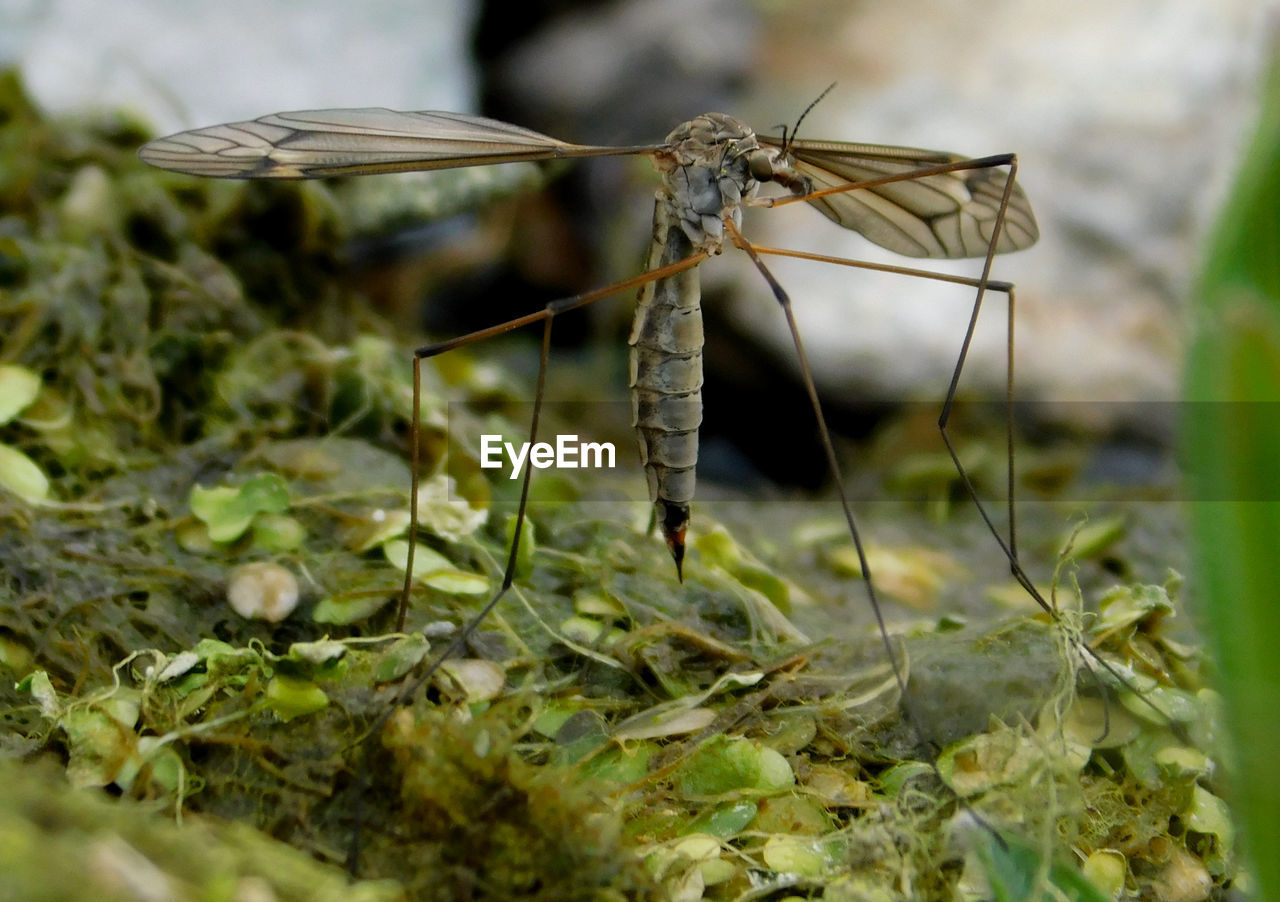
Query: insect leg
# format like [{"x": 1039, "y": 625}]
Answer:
[
  {"x": 544, "y": 316},
  {"x": 982, "y": 284},
  {"x": 552, "y": 309},
  {"x": 909, "y": 710},
  {"x": 508, "y": 575},
  {"x": 824, "y": 435}
]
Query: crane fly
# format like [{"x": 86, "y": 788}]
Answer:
[{"x": 917, "y": 203}]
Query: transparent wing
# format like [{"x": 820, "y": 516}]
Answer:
[
  {"x": 320, "y": 143},
  {"x": 948, "y": 215}
]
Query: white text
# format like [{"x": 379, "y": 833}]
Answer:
[{"x": 567, "y": 453}]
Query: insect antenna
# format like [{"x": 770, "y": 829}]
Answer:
[{"x": 795, "y": 129}]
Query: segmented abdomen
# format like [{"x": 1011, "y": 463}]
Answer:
[{"x": 666, "y": 377}]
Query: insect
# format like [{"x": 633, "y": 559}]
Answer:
[{"x": 918, "y": 203}]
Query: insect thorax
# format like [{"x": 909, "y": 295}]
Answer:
[
  {"x": 711, "y": 165},
  {"x": 706, "y": 173}
]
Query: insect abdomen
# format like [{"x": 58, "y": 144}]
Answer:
[{"x": 666, "y": 378}]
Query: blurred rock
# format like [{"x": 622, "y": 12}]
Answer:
[
  {"x": 1127, "y": 119},
  {"x": 187, "y": 64}
]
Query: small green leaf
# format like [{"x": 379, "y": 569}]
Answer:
[
  {"x": 775, "y": 771},
  {"x": 621, "y": 766},
  {"x": 401, "y": 657},
  {"x": 379, "y": 526},
  {"x": 425, "y": 559},
  {"x": 524, "y": 554},
  {"x": 1180, "y": 762},
  {"x": 166, "y": 765},
  {"x": 457, "y": 582},
  {"x": 726, "y": 765},
  {"x": 1206, "y": 813},
  {"x": 1122, "y": 607},
  {"x": 725, "y": 821},
  {"x": 1013, "y": 868},
  {"x": 214, "y": 508},
  {"x": 215, "y": 652},
  {"x": 20, "y": 475},
  {"x": 803, "y": 855},
  {"x": 719, "y": 547},
  {"x": 583, "y": 630},
  {"x": 479, "y": 680},
  {"x": 664, "y": 720},
  {"x": 278, "y": 532},
  {"x": 342, "y": 610},
  {"x": 1106, "y": 869},
  {"x": 552, "y": 718},
  {"x": 697, "y": 847},
  {"x": 594, "y": 603},
  {"x": 193, "y": 536},
  {"x": 896, "y": 778},
  {"x": 980, "y": 763},
  {"x": 266, "y": 493},
  {"x": 290, "y": 698},
  {"x": 1157, "y": 704},
  {"x": 41, "y": 689},
  {"x": 18, "y": 388},
  {"x": 98, "y": 746},
  {"x": 15, "y": 656},
  {"x": 431, "y": 568},
  {"x": 715, "y": 871},
  {"x": 1097, "y": 723},
  {"x": 1095, "y": 539},
  {"x": 228, "y": 511}
]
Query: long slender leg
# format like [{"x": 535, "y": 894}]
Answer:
[
  {"x": 545, "y": 316},
  {"x": 944, "y": 418},
  {"x": 463, "y": 635},
  {"x": 1010, "y": 547},
  {"x": 982, "y": 284},
  {"x": 551, "y": 310},
  {"x": 824, "y": 434},
  {"x": 909, "y": 709}
]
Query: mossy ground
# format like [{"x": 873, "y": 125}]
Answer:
[{"x": 609, "y": 734}]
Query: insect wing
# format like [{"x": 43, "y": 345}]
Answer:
[
  {"x": 320, "y": 143},
  {"x": 944, "y": 215}
]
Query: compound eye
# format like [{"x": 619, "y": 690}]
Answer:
[{"x": 760, "y": 166}]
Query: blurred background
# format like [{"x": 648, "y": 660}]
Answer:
[{"x": 1126, "y": 115}]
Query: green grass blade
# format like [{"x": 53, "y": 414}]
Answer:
[{"x": 1232, "y": 444}]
